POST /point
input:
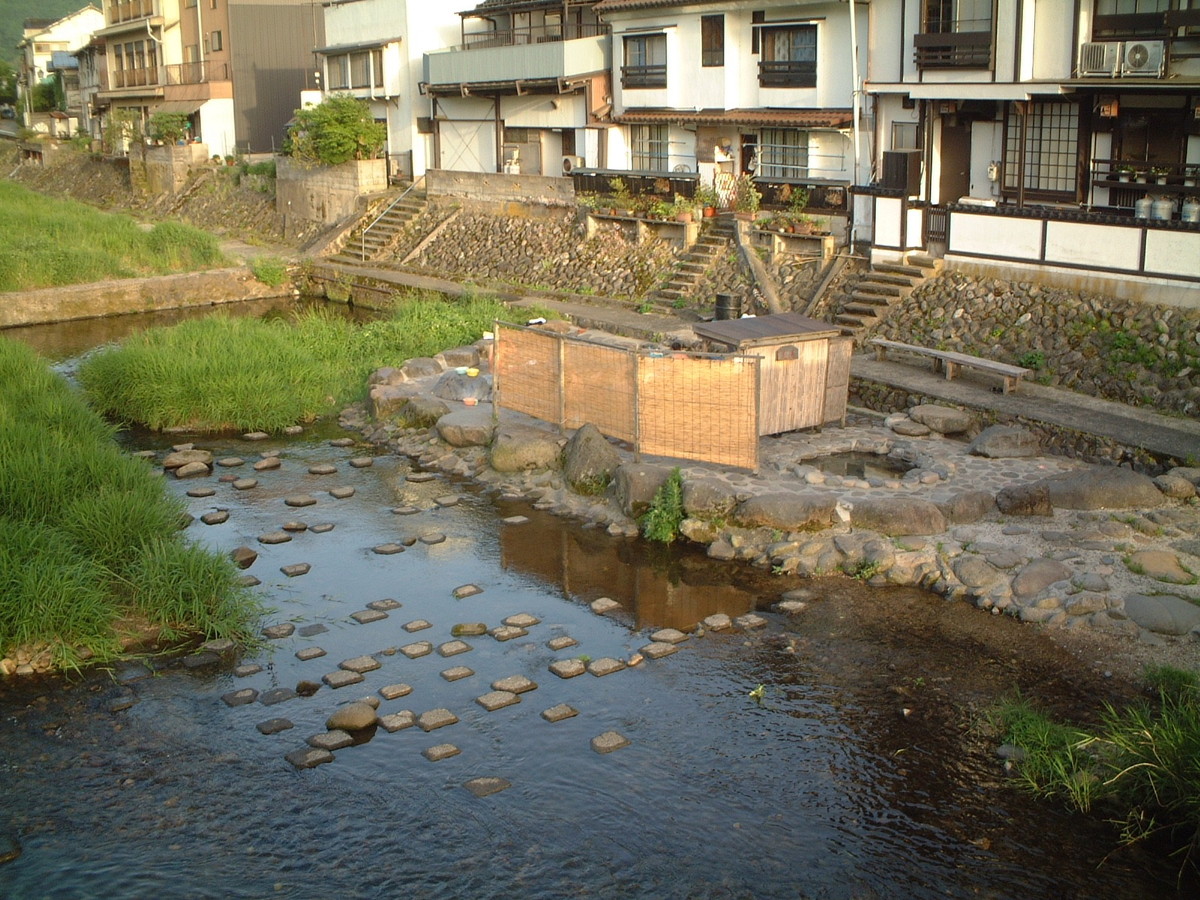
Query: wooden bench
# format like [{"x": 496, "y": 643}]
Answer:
[{"x": 950, "y": 362}]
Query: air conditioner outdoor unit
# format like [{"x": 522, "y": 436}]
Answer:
[
  {"x": 1100, "y": 58},
  {"x": 1142, "y": 58},
  {"x": 571, "y": 163}
]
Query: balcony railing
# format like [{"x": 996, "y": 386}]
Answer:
[
  {"x": 126, "y": 78},
  {"x": 953, "y": 50},
  {"x": 644, "y": 76},
  {"x": 128, "y": 10},
  {"x": 541, "y": 34},
  {"x": 195, "y": 73},
  {"x": 787, "y": 73}
]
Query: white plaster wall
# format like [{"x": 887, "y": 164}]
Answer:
[
  {"x": 915, "y": 229},
  {"x": 1173, "y": 253},
  {"x": 986, "y": 148},
  {"x": 1053, "y": 51},
  {"x": 217, "y": 126},
  {"x": 1075, "y": 243},
  {"x": 996, "y": 236},
  {"x": 887, "y": 221}
]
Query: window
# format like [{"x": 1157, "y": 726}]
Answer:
[
  {"x": 904, "y": 136},
  {"x": 783, "y": 153},
  {"x": 957, "y": 16},
  {"x": 650, "y": 148},
  {"x": 645, "y": 61},
  {"x": 712, "y": 41},
  {"x": 360, "y": 70},
  {"x": 216, "y": 41},
  {"x": 789, "y": 56},
  {"x": 338, "y": 76},
  {"x": 1051, "y": 149},
  {"x": 956, "y": 34},
  {"x": 1134, "y": 18}
]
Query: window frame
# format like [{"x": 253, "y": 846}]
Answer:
[
  {"x": 790, "y": 72},
  {"x": 1040, "y": 146},
  {"x": 644, "y": 73},
  {"x": 650, "y": 148},
  {"x": 712, "y": 41},
  {"x": 783, "y": 154}
]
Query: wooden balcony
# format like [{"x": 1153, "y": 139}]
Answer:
[{"x": 953, "y": 50}]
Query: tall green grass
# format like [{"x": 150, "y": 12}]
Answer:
[
  {"x": 59, "y": 242},
  {"x": 89, "y": 538},
  {"x": 221, "y": 373}
]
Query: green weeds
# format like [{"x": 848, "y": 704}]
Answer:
[{"x": 662, "y": 520}]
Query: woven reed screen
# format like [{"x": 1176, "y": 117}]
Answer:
[{"x": 676, "y": 404}]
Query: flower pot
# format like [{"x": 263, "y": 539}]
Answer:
[
  {"x": 683, "y": 217},
  {"x": 710, "y": 212},
  {"x": 1124, "y": 176}
]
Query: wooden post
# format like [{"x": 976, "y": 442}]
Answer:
[{"x": 562, "y": 384}]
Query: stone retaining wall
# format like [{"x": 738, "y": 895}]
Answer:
[{"x": 511, "y": 191}]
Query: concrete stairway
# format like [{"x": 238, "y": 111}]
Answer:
[
  {"x": 872, "y": 299},
  {"x": 374, "y": 237},
  {"x": 714, "y": 240}
]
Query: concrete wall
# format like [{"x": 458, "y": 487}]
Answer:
[
  {"x": 534, "y": 190},
  {"x": 164, "y": 170},
  {"x": 325, "y": 193}
]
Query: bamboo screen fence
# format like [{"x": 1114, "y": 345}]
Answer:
[{"x": 686, "y": 405}]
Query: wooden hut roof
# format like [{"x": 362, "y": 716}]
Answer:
[{"x": 783, "y": 328}]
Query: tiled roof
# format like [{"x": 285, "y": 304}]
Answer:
[
  {"x": 615, "y": 5},
  {"x": 793, "y": 118}
]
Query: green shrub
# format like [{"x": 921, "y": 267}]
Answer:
[
  {"x": 270, "y": 270},
  {"x": 662, "y": 520},
  {"x": 336, "y": 130}
]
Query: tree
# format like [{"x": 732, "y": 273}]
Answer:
[
  {"x": 47, "y": 95},
  {"x": 8, "y": 84},
  {"x": 167, "y": 127},
  {"x": 337, "y": 130}
]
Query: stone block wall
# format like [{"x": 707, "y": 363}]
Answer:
[
  {"x": 509, "y": 193},
  {"x": 165, "y": 169},
  {"x": 325, "y": 194}
]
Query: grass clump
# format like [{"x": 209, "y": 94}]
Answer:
[
  {"x": 61, "y": 242},
  {"x": 89, "y": 539},
  {"x": 270, "y": 270},
  {"x": 1140, "y": 767},
  {"x": 224, "y": 374},
  {"x": 662, "y": 520}
]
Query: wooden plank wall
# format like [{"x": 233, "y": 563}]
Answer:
[
  {"x": 793, "y": 386},
  {"x": 837, "y": 379}
]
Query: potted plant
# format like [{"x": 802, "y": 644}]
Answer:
[
  {"x": 1190, "y": 175},
  {"x": 588, "y": 202},
  {"x": 746, "y": 198},
  {"x": 802, "y": 225},
  {"x": 684, "y": 208},
  {"x": 621, "y": 196},
  {"x": 1139, "y": 175},
  {"x": 707, "y": 198},
  {"x": 1160, "y": 173},
  {"x": 1124, "y": 171}
]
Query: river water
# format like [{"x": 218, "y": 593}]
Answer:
[{"x": 862, "y": 770}]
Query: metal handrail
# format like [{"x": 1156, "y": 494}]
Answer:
[{"x": 363, "y": 237}]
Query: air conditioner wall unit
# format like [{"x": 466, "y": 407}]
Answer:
[
  {"x": 1100, "y": 59},
  {"x": 1143, "y": 58},
  {"x": 571, "y": 163}
]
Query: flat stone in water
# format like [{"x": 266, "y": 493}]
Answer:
[
  {"x": 432, "y": 537},
  {"x": 417, "y": 625},
  {"x": 440, "y": 751},
  {"x": 293, "y": 430},
  {"x": 394, "y": 691},
  {"x": 282, "y": 630},
  {"x": 718, "y": 622},
  {"x": 342, "y": 442},
  {"x": 658, "y": 650},
  {"x": 330, "y": 740},
  {"x": 216, "y": 517},
  {"x": 277, "y": 695},
  {"x": 606, "y": 665},
  {"x": 308, "y": 757},
  {"x": 246, "y": 670},
  {"x": 405, "y": 510},
  {"x": 297, "y": 500},
  {"x": 362, "y": 462},
  {"x": 274, "y": 537},
  {"x": 341, "y": 678},
  {"x": 397, "y": 721},
  {"x": 230, "y": 462},
  {"x": 384, "y": 605},
  {"x": 604, "y": 605},
  {"x": 294, "y": 527},
  {"x": 508, "y": 632},
  {"x": 367, "y": 616},
  {"x": 494, "y": 700},
  {"x": 322, "y": 528},
  {"x": 295, "y": 570},
  {"x": 750, "y": 620},
  {"x": 201, "y": 491},
  {"x": 274, "y": 726},
  {"x": 199, "y": 660},
  {"x": 447, "y": 500},
  {"x": 522, "y": 620},
  {"x": 341, "y": 493},
  {"x": 248, "y": 580},
  {"x": 516, "y": 684},
  {"x": 360, "y": 664},
  {"x": 420, "y": 477},
  {"x": 453, "y": 648},
  {"x": 255, "y": 436},
  {"x": 560, "y": 712},
  {"x": 322, "y": 469},
  {"x": 312, "y": 630},
  {"x": 469, "y": 629},
  {"x": 568, "y": 668},
  {"x": 309, "y": 653},
  {"x": 240, "y": 698},
  {"x": 224, "y": 479},
  {"x": 417, "y": 649},
  {"x": 436, "y": 718},
  {"x": 487, "y": 785},
  {"x": 562, "y": 642},
  {"x": 388, "y": 549},
  {"x": 610, "y": 741},
  {"x": 467, "y": 590},
  {"x": 457, "y": 673},
  {"x": 245, "y": 484},
  {"x": 668, "y": 636},
  {"x": 515, "y": 520},
  {"x": 267, "y": 464}
]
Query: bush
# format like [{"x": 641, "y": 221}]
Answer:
[
  {"x": 337, "y": 130},
  {"x": 270, "y": 270},
  {"x": 662, "y": 520}
]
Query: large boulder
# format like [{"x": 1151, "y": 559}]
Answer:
[
  {"x": 517, "y": 448},
  {"x": 1038, "y": 575},
  {"x": 467, "y": 427},
  {"x": 421, "y": 367},
  {"x": 1005, "y": 442},
  {"x": 352, "y": 717},
  {"x": 966, "y": 507},
  {"x": 1024, "y": 500},
  {"x": 898, "y": 516},
  {"x": 453, "y": 386},
  {"x": 976, "y": 572},
  {"x": 389, "y": 375},
  {"x": 1161, "y": 565},
  {"x": 787, "y": 512},
  {"x": 422, "y": 412},
  {"x": 589, "y": 460},
  {"x": 1102, "y": 487},
  {"x": 457, "y": 357},
  {"x": 707, "y": 498},
  {"x": 386, "y": 400},
  {"x": 1163, "y": 613},
  {"x": 942, "y": 419},
  {"x": 180, "y": 458},
  {"x": 636, "y": 484}
]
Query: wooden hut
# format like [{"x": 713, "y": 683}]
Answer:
[{"x": 805, "y": 370}]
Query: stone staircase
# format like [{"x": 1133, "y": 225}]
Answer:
[
  {"x": 872, "y": 299},
  {"x": 376, "y": 234},
  {"x": 716, "y": 238}
]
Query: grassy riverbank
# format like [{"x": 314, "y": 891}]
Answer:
[
  {"x": 220, "y": 373},
  {"x": 59, "y": 242},
  {"x": 90, "y": 547}
]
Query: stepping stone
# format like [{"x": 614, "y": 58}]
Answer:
[
  {"x": 487, "y": 785},
  {"x": 789, "y": 607},
  {"x": 323, "y": 469},
  {"x": 750, "y": 620},
  {"x": 293, "y": 430},
  {"x": 309, "y": 653},
  {"x": 341, "y": 493},
  {"x": 494, "y": 700},
  {"x": 447, "y": 500},
  {"x": 274, "y": 726},
  {"x": 197, "y": 660},
  {"x": 604, "y": 605},
  {"x": 668, "y": 636},
  {"x": 507, "y": 633},
  {"x": 312, "y": 630},
  {"x": 384, "y": 605},
  {"x": 417, "y": 650},
  {"x": 718, "y": 622},
  {"x": 276, "y": 695},
  {"x": 562, "y": 642},
  {"x": 436, "y": 718},
  {"x": 274, "y": 537},
  {"x": 388, "y": 549},
  {"x": 397, "y": 721},
  {"x": 610, "y": 741},
  {"x": 658, "y": 650},
  {"x": 516, "y": 684},
  {"x": 297, "y": 500},
  {"x": 218, "y": 645},
  {"x": 255, "y": 436},
  {"x": 342, "y": 442},
  {"x": 568, "y": 668},
  {"x": 248, "y": 581},
  {"x": 606, "y": 665},
  {"x": 295, "y": 570},
  {"x": 245, "y": 671},
  {"x": 432, "y": 537},
  {"x": 330, "y": 740},
  {"x": 362, "y": 462},
  {"x": 457, "y": 673},
  {"x": 417, "y": 625},
  {"x": 405, "y": 511},
  {"x": 268, "y": 464},
  {"x": 367, "y": 616},
  {"x": 395, "y": 691},
  {"x": 522, "y": 620},
  {"x": 230, "y": 462},
  {"x": 308, "y": 757},
  {"x": 352, "y": 717},
  {"x": 282, "y": 630},
  {"x": 217, "y": 517},
  {"x": 201, "y": 491},
  {"x": 467, "y": 590},
  {"x": 360, "y": 664},
  {"x": 440, "y": 752},
  {"x": 240, "y": 698},
  {"x": 515, "y": 520},
  {"x": 560, "y": 712},
  {"x": 306, "y": 688},
  {"x": 453, "y": 648},
  {"x": 469, "y": 629},
  {"x": 245, "y": 484},
  {"x": 341, "y": 678},
  {"x": 322, "y": 528},
  {"x": 243, "y": 557},
  {"x": 420, "y": 477},
  {"x": 294, "y": 527}
]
